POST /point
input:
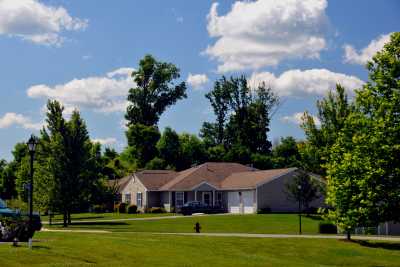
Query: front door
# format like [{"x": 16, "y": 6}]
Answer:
[{"x": 207, "y": 198}]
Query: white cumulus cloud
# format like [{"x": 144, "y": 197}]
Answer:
[
  {"x": 197, "y": 80},
  {"x": 34, "y": 21},
  {"x": 305, "y": 82},
  {"x": 254, "y": 34},
  {"x": 10, "y": 119},
  {"x": 105, "y": 141},
  {"x": 297, "y": 118},
  {"x": 100, "y": 93},
  {"x": 352, "y": 56}
]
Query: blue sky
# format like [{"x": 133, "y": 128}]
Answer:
[{"x": 301, "y": 49}]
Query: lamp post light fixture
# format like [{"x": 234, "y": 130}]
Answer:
[
  {"x": 32, "y": 148},
  {"x": 300, "y": 197}
]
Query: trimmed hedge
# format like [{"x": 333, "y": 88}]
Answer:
[
  {"x": 265, "y": 210},
  {"x": 155, "y": 210},
  {"x": 121, "y": 208},
  {"x": 132, "y": 209}
]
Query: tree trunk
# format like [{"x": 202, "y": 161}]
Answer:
[
  {"x": 69, "y": 217},
  {"x": 348, "y": 235},
  {"x": 65, "y": 219}
]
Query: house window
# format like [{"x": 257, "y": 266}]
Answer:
[
  {"x": 128, "y": 198},
  {"x": 180, "y": 199},
  {"x": 139, "y": 199}
]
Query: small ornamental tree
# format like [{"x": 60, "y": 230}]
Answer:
[{"x": 308, "y": 191}]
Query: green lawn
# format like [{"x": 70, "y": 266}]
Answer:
[
  {"x": 257, "y": 223},
  {"x": 117, "y": 249},
  {"x": 104, "y": 216}
]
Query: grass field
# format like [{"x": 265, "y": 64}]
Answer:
[
  {"x": 117, "y": 249},
  {"x": 257, "y": 223}
]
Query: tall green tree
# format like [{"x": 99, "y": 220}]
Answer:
[
  {"x": 7, "y": 180},
  {"x": 142, "y": 141},
  {"x": 192, "y": 151},
  {"x": 286, "y": 153},
  {"x": 70, "y": 161},
  {"x": 219, "y": 99},
  {"x": 363, "y": 169},
  {"x": 333, "y": 111},
  {"x": 209, "y": 135},
  {"x": 20, "y": 168},
  {"x": 243, "y": 117},
  {"x": 154, "y": 92},
  {"x": 169, "y": 147}
]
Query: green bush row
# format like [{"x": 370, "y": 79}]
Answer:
[{"x": 132, "y": 209}]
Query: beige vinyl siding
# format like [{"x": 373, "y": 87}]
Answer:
[{"x": 133, "y": 187}]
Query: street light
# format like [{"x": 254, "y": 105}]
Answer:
[
  {"x": 32, "y": 148},
  {"x": 300, "y": 196}
]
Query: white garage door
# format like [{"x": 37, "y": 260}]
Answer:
[
  {"x": 233, "y": 202},
  {"x": 247, "y": 202},
  {"x": 248, "y": 198}
]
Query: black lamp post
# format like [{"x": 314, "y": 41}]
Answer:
[
  {"x": 300, "y": 196},
  {"x": 32, "y": 147}
]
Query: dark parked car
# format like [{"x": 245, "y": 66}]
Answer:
[
  {"x": 197, "y": 207},
  {"x": 20, "y": 223}
]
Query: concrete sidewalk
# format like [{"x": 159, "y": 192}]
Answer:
[
  {"x": 242, "y": 235},
  {"x": 75, "y": 231},
  {"x": 355, "y": 237}
]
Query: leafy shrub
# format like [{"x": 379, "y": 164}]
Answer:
[
  {"x": 132, "y": 209},
  {"x": 264, "y": 210},
  {"x": 120, "y": 207},
  {"x": 327, "y": 228},
  {"x": 12, "y": 227},
  {"x": 157, "y": 210}
]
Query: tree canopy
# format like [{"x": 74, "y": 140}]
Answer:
[
  {"x": 155, "y": 91},
  {"x": 363, "y": 168}
]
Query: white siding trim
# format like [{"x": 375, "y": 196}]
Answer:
[{"x": 202, "y": 183}]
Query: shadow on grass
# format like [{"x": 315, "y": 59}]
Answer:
[
  {"x": 384, "y": 245},
  {"x": 89, "y": 218},
  {"x": 98, "y": 223},
  {"x": 77, "y": 219}
]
